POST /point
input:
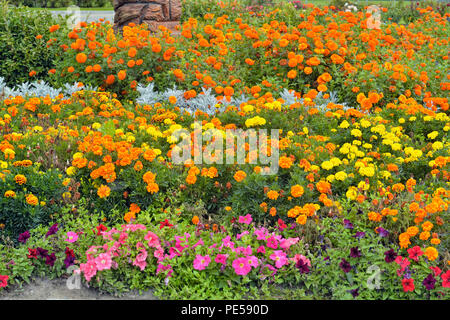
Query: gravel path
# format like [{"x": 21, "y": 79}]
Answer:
[{"x": 44, "y": 289}]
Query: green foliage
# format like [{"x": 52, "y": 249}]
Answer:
[
  {"x": 16, "y": 214},
  {"x": 20, "y": 51},
  {"x": 64, "y": 3}
]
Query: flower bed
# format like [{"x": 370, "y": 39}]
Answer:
[{"x": 356, "y": 209}]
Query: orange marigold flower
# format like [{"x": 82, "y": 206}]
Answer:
[
  {"x": 427, "y": 226},
  {"x": 122, "y": 74},
  {"x": 431, "y": 253},
  {"x": 301, "y": 219},
  {"x": 152, "y": 188},
  {"x": 81, "y": 58},
  {"x": 239, "y": 176},
  {"x": 103, "y": 191},
  {"x": 273, "y": 211},
  {"x": 412, "y": 231},
  {"x": 149, "y": 177},
  {"x": 323, "y": 187},
  {"x": 285, "y": 162},
  {"x": 292, "y": 74},
  {"x": 273, "y": 195},
  {"x": 297, "y": 191},
  {"x": 191, "y": 179}
]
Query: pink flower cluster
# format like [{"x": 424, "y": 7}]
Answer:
[{"x": 101, "y": 258}]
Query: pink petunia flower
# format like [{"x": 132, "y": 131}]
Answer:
[
  {"x": 280, "y": 258},
  {"x": 103, "y": 261},
  {"x": 152, "y": 239},
  {"x": 201, "y": 262},
  {"x": 261, "y": 233},
  {"x": 301, "y": 257},
  {"x": 140, "y": 260},
  {"x": 240, "y": 235},
  {"x": 287, "y": 243},
  {"x": 72, "y": 237},
  {"x": 89, "y": 269}
]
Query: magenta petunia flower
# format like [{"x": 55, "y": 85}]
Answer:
[
  {"x": 446, "y": 279},
  {"x": 272, "y": 242},
  {"x": 253, "y": 261},
  {"x": 3, "y": 281},
  {"x": 247, "y": 219},
  {"x": 71, "y": 237},
  {"x": 261, "y": 249},
  {"x": 201, "y": 262},
  {"x": 408, "y": 284},
  {"x": 241, "y": 266},
  {"x": 415, "y": 253},
  {"x": 221, "y": 258}
]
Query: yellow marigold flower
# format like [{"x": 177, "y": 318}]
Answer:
[
  {"x": 70, "y": 171},
  {"x": 341, "y": 175},
  {"x": 20, "y": 179},
  {"x": 437, "y": 145},
  {"x": 327, "y": 165},
  {"x": 10, "y": 194},
  {"x": 433, "y": 135},
  {"x": 356, "y": 133},
  {"x": 344, "y": 124},
  {"x": 351, "y": 193}
]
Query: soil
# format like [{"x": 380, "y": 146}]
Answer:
[{"x": 56, "y": 289}]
